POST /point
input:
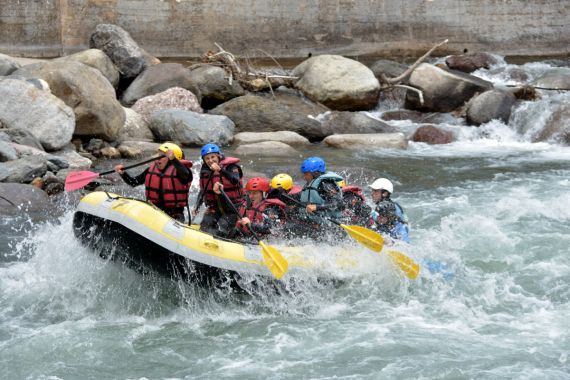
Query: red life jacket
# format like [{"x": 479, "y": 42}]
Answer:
[
  {"x": 208, "y": 178},
  {"x": 256, "y": 214},
  {"x": 294, "y": 190},
  {"x": 166, "y": 186},
  {"x": 355, "y": 190}
]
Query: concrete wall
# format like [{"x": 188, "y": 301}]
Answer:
[{"x": 291, "y": 28}]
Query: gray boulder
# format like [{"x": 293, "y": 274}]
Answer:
[
  {"x": 443, "y": 90},
  {"x": 8, "y": 65},
  {"x": 191, "y": 128},
  {"x": 214, "y": 86},
  {"x": 267, "y": 148},
  {"x": 135, "y": 128},
  {"x": 25, "y": 169},
  {"x": 23, "y": 137},
  {"x": 286, "y": 137},
  {"x": 158, "y": 78},
  {"x": 368, "y": 141},
  {"x": 337, "y": 82},
  {"x": 87, "y": 91},
  {"x": 16, "y": 197},
  {"x": 262, "y": 113},
  {"x": 118, "y": 44},
  {"x": 470, "y": 62},
  {"x": 558, "y": 78},
  {"x": 388, "y": 68},
  {"x": 345, "y": 122},
  {"x": 490, "y": 105},
  {"x": 98, "y": 60},
  {"x": 7, "y": 152},
  {"x": 174, "y": 98},
  {"x": 38, "y": 112},
  {"x": 139, "y": 147}
]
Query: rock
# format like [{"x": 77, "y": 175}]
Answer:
[
  {"x": 158, "y": 78},
  {"x": 75, "y": 160},
  {"x": 339, "y": 83},
  {"x": 8, "y": 65},
  {"x": 25, "y": 169},
  {"x": 38, "y": 112},
  {"x": 110, "y": 152},
  {"x": 510, "y": 73},
  {"x": 336, "y": 122},
  {"x": 191, "y": 128},
  {"x": 98, "y": 60},
  {"x": 494, "y": 104},
  {"x": 136, "y": 127},
  {"x": 557, "y": 127},
  {"x": 286, "y": 137},
  {"x": 421, "y": 117},
  {"x": 267, "y": 148},
  {"x": 23, "y": 137},
  {"x": 470, "y": 62},
  {"x": 87, "y": 91},
  {"x": 443, "y": 90},
  {"x": 262, "y": 113},
  {"x": 130, "y": 152},
  {"x": 7, "y": 152},
  {"x": 558, "y": 78},
  {"x": 147, "y": 148},
  {"x": 114, "y": 41},
  {"x": 16, "y": 197},
  {"x": 52, "y": 160},
  {"x": 390, "y": 69},
  {"x": 213, "y": 84},
  {"x": 432, "y": 135},
  {"x": 368, "y": 141},
  {"x": 174, "y": 98}
]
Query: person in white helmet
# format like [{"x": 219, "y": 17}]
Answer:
[{"x": 388, "y": 216}]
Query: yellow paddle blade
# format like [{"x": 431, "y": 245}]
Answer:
[
  {"x": 366, "y": 237},
  {"x": 406, "y": 264},
  {"x": 274, "y": 260}
]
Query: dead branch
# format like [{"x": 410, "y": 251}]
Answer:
[{"x": 419, "y": 92}]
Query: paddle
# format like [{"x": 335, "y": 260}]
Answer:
[
  {"x": 77, "y": 180},
  {"x": 272, "y": 258},
  {"x": 372, "y": 240}
]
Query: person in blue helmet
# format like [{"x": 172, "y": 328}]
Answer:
[
  {"x": 388, "y": 216},
  {"x": 321, "y": 193},
  {"x": 219, "y": 173}
]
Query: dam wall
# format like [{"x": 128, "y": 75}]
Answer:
[{"x": 291, "y": 28}]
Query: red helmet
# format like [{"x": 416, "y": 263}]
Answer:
[{"x": 258, "y": 183}]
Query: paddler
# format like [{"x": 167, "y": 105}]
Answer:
[
  {"x": 167, "y": 180},
  {"x": 388, "y": 216}
]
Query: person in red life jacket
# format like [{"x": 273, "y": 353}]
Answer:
[
  {"x": 260, "y": 213},
  {"x": 219, "y": 172},
  {"x": 355, "y": 210},
  {"x": 167, "y": 180}
]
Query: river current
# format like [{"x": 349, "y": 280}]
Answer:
[{"x": 489, "y": 220}]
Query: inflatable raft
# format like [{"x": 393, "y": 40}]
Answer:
[{"x": 146, "y": 239}]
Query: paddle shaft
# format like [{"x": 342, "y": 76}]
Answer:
[{"x": 130, "y": 166}]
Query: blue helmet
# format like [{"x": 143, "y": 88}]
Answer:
[
  {"x": 313, "y": 164},
  {"x": 210, "y": 148}
]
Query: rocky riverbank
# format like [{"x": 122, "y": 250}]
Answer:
[{"x": 116, "y": 100}]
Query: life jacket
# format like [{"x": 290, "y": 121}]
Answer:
[
  {"x": 355, "y": 190},
  {"x": 398, "y": 226},
  {"x": 166, "y": 187},
  {"x": 257, "y": 214},
  {"x": 310, "y": 194},
  {"x": 209, "y": 177},
  {"x": 295, "y": 190}
]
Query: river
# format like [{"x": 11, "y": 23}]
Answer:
[{"x": 489, "y": 222}]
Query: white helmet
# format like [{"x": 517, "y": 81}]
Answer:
[{"x": 382, "y": 184}]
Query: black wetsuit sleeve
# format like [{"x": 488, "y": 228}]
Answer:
[
  {"x": 182, "y": 172},
  {"x": 232, "y": 173},
  {"x": 134, "y": 181},
  {"x": 329, "y": 192}
]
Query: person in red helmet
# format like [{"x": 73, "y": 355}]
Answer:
[
  {"x": 259, "y": 213},
  {"x": 167, "y": 180}
]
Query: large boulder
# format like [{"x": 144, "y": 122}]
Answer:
[
  {"x": 174, "y": 98},
  {"x": 15, "y": 197},
  {"x": 388, "y": 68},
  {"x": 140, "y": 147},
  {"x": 135, "y": 128},
  {"x": 23, "y": 137},
  {"x": 158, "y": 78},
  {"x": 25, "y": 169},
  {"x": 267, "y": 148},
  {"x": 87, "y": 91},
  {"x": 490, "y": 105},
  {"x": 558, "y": 78},
  {"x": 214, "y": 85},
  {"x": 38, "y": 112},
  {"x": 286, "y": 137},
  {"x": 443, "y": 90},
  {"x": 263, "y": 113},
  {"x": 191, "y": 128},
  {"x": 118, "y": 44},
  {"x": 344, "y": 122},
  {"x": 7, "y": 152},
  {"x": 470, "y": 62},
  {"x": 337, "y": 82},
  {"x": 8, "y": 65},
  {"x": 368, "y": 141},
  {"x": 98, "y": 60},
  {"x": 431, "y": 134}
]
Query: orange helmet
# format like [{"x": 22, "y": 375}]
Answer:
[{"x": 258, "y": 184}]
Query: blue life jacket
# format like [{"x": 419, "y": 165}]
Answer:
[{"x": 398, "y": 228}]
